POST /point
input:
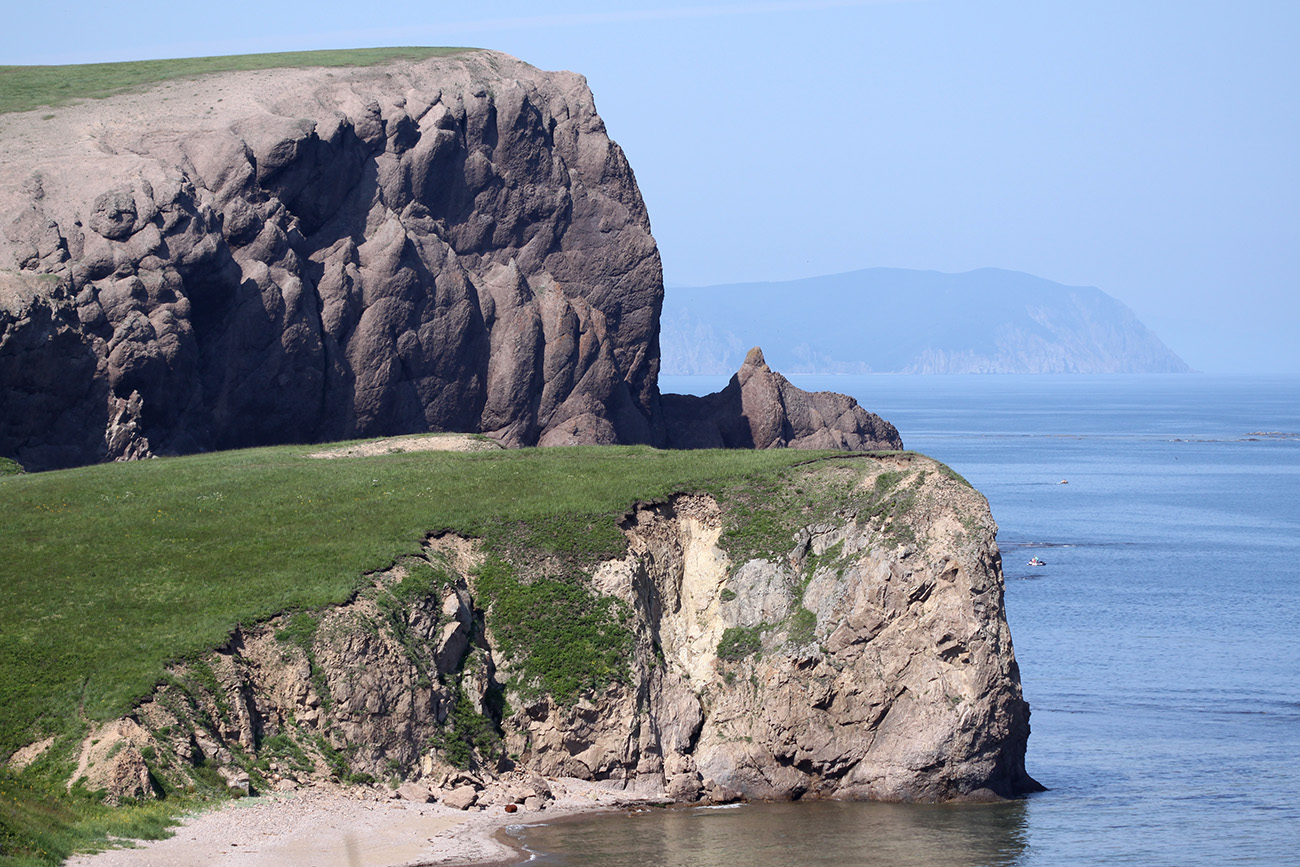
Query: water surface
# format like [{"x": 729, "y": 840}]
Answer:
[{"x": 1157, "y": 646}]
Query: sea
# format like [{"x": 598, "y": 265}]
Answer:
[{"x": 1159, "y": 645}]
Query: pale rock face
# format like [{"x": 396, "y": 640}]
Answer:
[
  {"x": 905, "y": 688},
  {"x": 111, "y": 761},
  {"x": 877, "y": 664}
]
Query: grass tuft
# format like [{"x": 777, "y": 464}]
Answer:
[{"x": 740, "y": 642}]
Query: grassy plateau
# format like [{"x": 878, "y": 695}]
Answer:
[{"x": 23, "y": 88}]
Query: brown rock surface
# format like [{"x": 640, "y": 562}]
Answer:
[
  {"x": 303, "y": 254},
  {"x": 760, "y": 409}
]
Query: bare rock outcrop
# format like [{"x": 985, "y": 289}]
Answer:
[
  {"x": 112, "y": 761},
  {"x": 310, "y": 255},
  {"x": 760, "y": 409},
  {"x": 865, "y": 655}
]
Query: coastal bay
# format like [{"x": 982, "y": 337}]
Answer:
[{"x": 1165, "y": 714}]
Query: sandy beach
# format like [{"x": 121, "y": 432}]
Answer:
[{"x": 329, "y": 826}]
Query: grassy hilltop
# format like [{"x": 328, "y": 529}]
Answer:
[
  {"x": 117, "y": 569},
  {"x": 23, "y": 88}
]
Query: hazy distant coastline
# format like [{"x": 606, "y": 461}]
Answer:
[{"x": 889, "y": 320}]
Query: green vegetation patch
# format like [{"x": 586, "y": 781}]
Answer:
[
  {"x": 802, "y": 626},
  {"x": 586, "y": 641},
  {"x": 765, "y": 510},
  {"x": 40, "y": 824},
  {"x": 23, "y": 88},
  {"x": 467, "y": 735},
  {"x": 10, "y": 467},
  {"x": 740, "y": 642}
]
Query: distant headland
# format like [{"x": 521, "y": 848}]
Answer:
[{"x": 891, "y": 320}]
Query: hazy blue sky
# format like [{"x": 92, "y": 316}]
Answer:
[{"x": 1147, "y": 147}]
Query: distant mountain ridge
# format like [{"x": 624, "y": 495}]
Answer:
[{"x": 891, "y": 320}]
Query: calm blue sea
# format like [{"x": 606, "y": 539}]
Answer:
[{"x": 1159, "y": 646}]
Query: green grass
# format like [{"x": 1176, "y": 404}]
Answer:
[
  {"x": 740, "y": 642},
  {"x": 23, "y": 88},
  {"x": 118, "y": 569},
  {"x": 766, "y": 509},
  {"x": 802, "y": 625},
  {"x": 42, "y": 825},
  {"x": 585, "y": 644},
  {"x": 467, "y": 733}
]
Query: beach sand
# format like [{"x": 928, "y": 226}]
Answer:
[{"x": 329, "y": 826}]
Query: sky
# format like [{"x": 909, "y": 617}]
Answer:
[{"x": 1150, "y": 148}]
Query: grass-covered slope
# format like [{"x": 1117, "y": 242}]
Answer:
[
  {"x": 113, "y": 570},
  {"x": 23, "y": 88}
]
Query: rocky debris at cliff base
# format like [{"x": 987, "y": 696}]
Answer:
[{"x": 761, "y": 409}]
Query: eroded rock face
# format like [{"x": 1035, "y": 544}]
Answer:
[
  {"x": 306, "y": 255},
  {"x": 303, "y": 255},
  {"x": 868, "y": 657},
  {"x": 760, "y": 409},
  {"x": 870, "y": 661},
  {"x": 111, "y": 761}
]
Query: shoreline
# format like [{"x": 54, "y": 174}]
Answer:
[{"x": 329, "y": 825}]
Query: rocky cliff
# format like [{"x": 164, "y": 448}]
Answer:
[
  {"x": 850, "y": 644},
  {"x": 309, "y": 254},
  {"x": 302, "y": 254}
]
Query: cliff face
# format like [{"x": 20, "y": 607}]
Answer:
[
  {"x": 868, "y": 657},
  {"x": 306, "y": 255}
]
